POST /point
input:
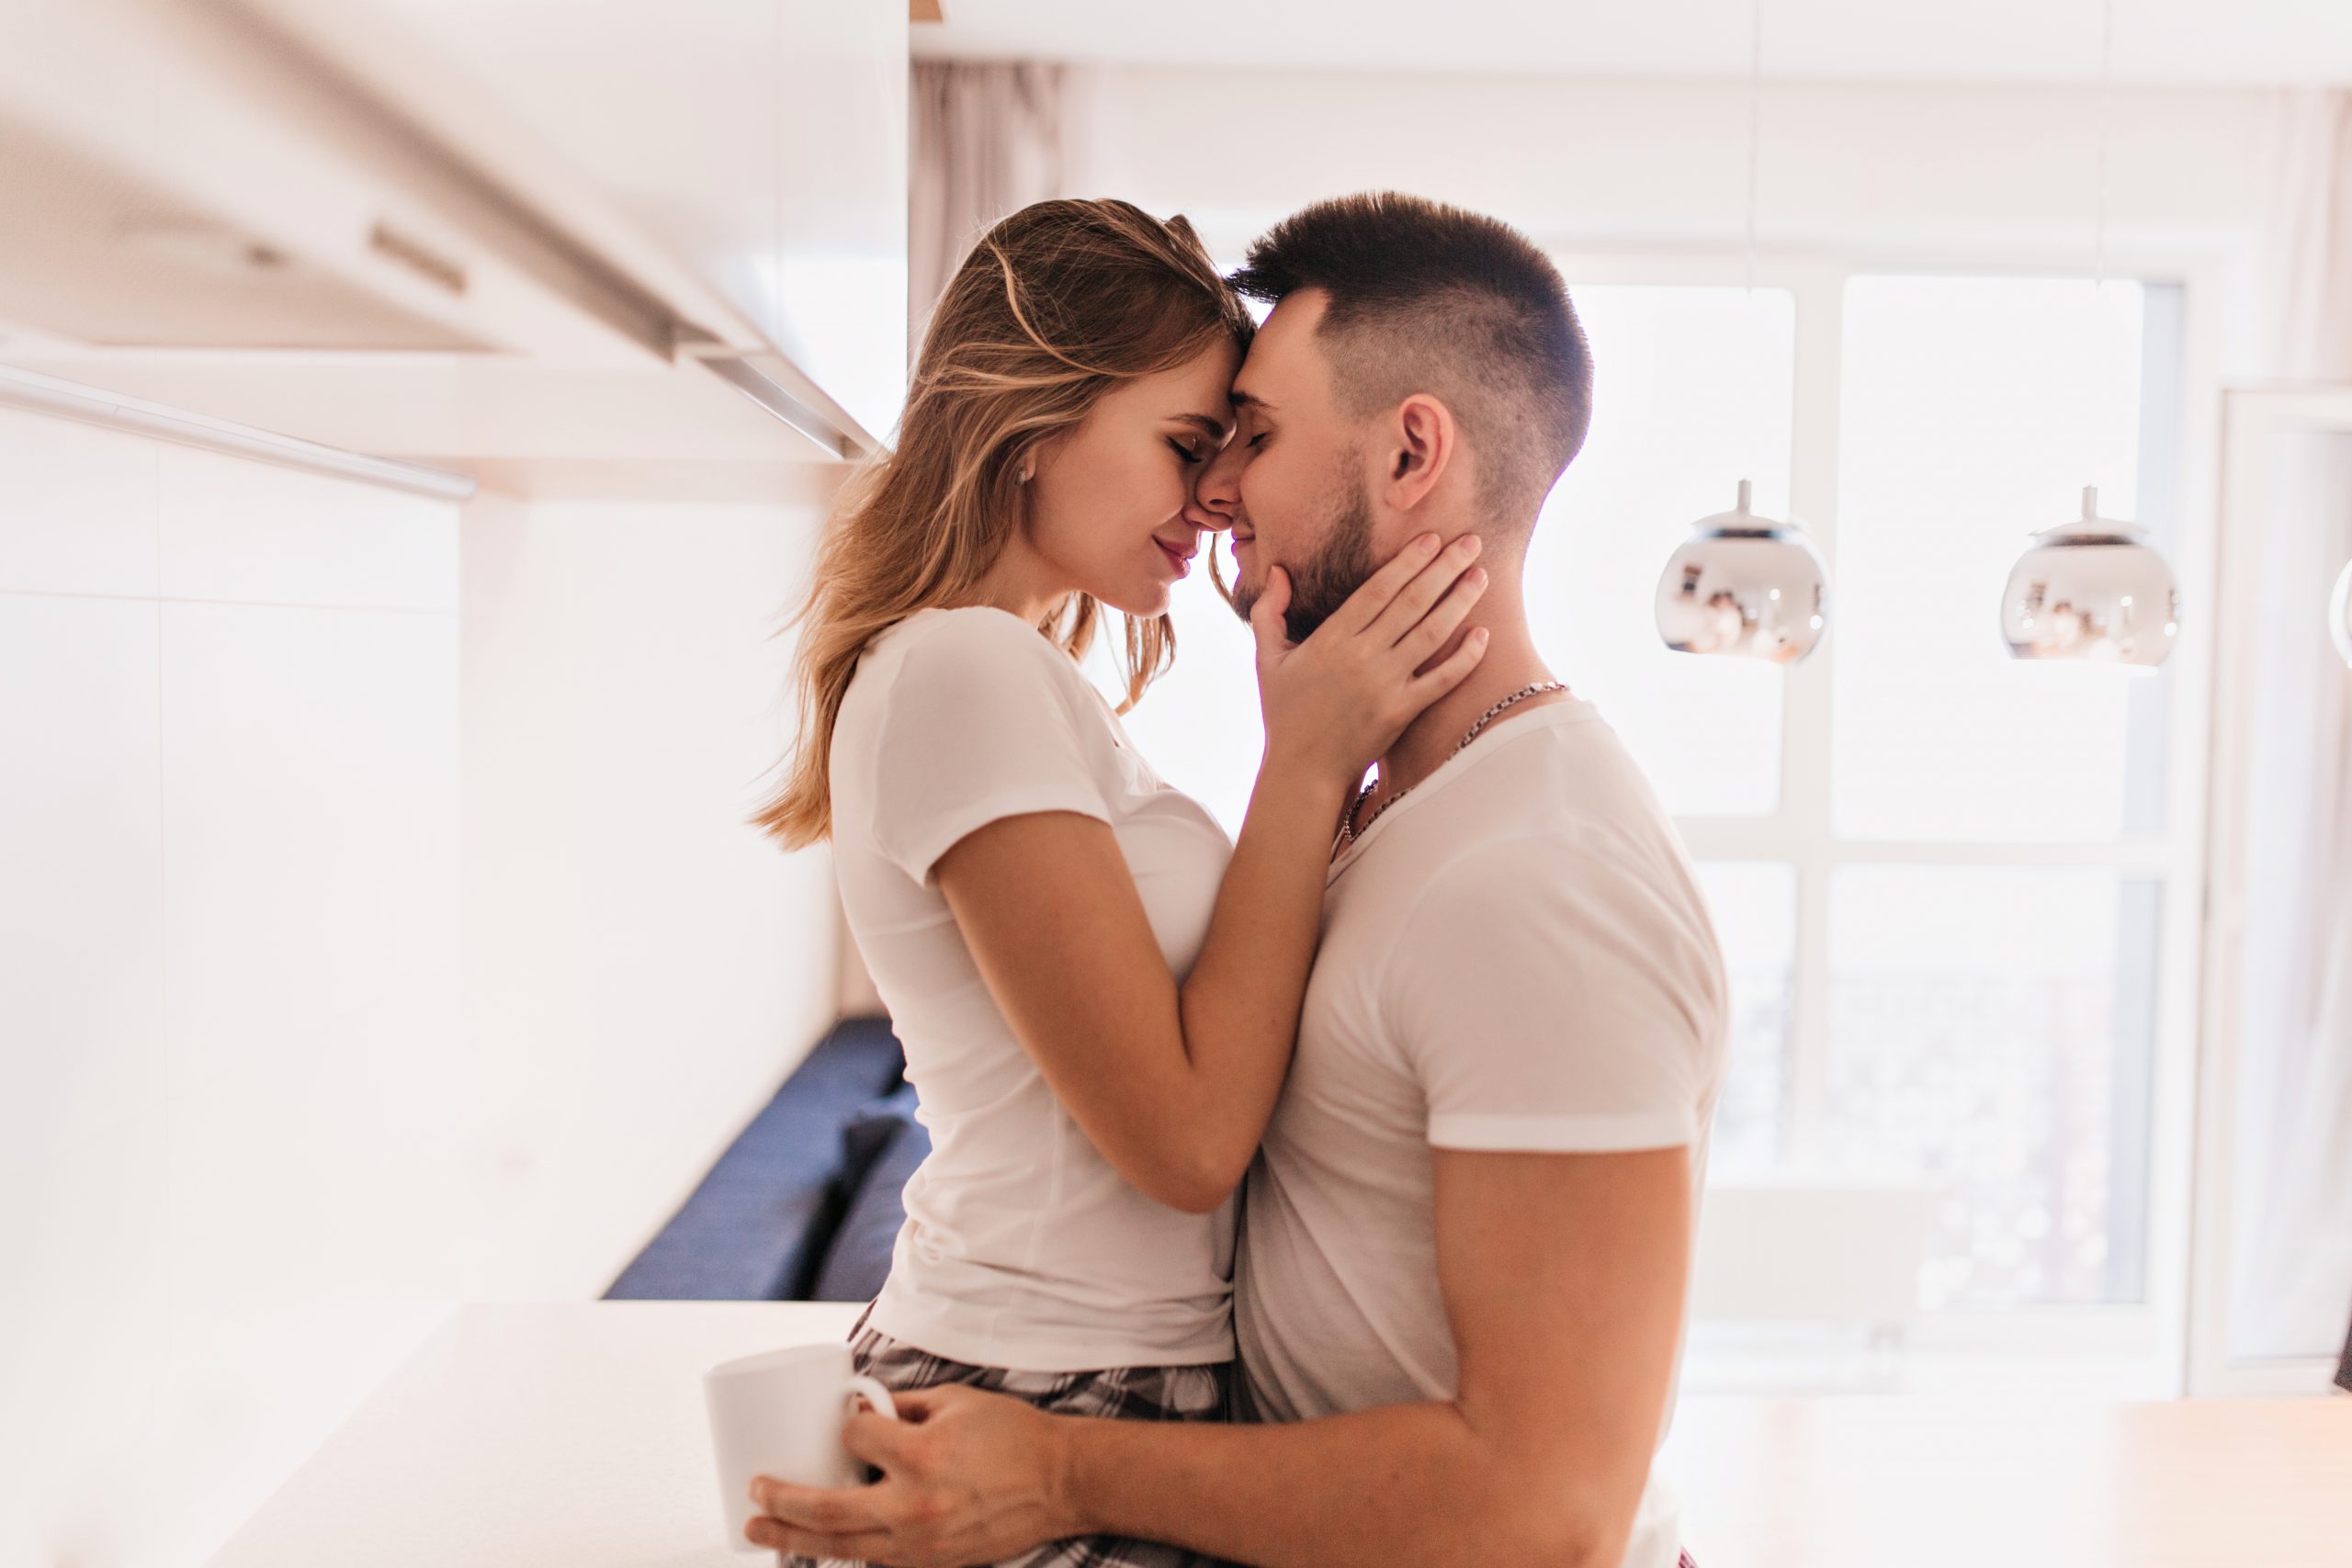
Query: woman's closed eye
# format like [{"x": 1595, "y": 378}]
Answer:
[{"x": 1186, "y": 450}]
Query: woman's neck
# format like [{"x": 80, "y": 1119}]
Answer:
[{"x": 1020, "y": 583}]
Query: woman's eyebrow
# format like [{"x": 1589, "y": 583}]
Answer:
[{"x": 1208, "y": 423}]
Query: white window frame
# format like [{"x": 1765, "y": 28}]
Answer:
[{"x": 2149, "y": 1337}]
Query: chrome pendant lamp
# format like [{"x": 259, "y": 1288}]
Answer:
[
  {"x": 1745, "y": 586},
  {"x": 2089, "y": 590},
  {"x": 2339, "y": 615}
]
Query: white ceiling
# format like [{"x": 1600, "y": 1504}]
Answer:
[{"x": 2236, "y": 43}]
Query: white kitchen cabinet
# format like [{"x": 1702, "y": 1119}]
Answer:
[
  {"x": 762, "y": 144},
  {"x": 761, "y": 139}
]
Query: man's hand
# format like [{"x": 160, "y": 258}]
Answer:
[{"x": 966, "y": 1477}]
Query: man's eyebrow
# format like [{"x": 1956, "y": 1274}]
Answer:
[{"x": 1242, "y": 400}]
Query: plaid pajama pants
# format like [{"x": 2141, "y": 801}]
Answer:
[{"x": 1127, "y": 1394}]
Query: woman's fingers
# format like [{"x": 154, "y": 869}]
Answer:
[
  {"x": 1410, "y": 603},
  {"x": 1426, "y": 689},
  {"x": 1339, "y": 698},
  {"x": 1375, "y": 593},
  {"x": 1266, "y": 622},
  {"x": 1425, "y": 637}
]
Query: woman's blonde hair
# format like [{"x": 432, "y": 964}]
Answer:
[{"x": 1055, "y": 306}]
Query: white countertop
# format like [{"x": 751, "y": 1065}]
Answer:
[
  {"x": 567, "y": 1434},
  {"x": 573, "y": 1435}
]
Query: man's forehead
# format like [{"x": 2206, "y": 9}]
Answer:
[{"x": 1282, "y": 362}]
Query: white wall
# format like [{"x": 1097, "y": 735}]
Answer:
[
  {"x": 635, "y": 957},
  {"x": 377, "y": 931},
  {"x": 229, "y": 977}
]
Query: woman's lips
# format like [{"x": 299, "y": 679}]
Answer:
[{"x": 1183, "y": 563}]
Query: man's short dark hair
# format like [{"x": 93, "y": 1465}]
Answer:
[{"x": 1425, "y": 298}]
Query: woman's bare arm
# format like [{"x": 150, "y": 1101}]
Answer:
[{"x": 1173, "y": 1085}]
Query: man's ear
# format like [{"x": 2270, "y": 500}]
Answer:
[{"x": 1424, "y": 442}]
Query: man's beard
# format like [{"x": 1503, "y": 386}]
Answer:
[{"x": 1322, "y": 583}]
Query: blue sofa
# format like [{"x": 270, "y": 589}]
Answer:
[{"x": 804, "y": 1204}]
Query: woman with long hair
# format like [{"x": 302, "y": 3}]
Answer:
[{"x": 1097, "y": 990}]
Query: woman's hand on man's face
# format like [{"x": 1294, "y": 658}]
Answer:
[{"x": 1335, "y": 701}]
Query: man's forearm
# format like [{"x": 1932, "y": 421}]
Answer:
[{"x": 1410, "y": 1483}]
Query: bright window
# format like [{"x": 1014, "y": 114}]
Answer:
[
  {"x": 1975, "y": 410},
  {"x": 1990, "y": 1030}
]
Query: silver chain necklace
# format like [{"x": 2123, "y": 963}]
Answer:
[{"x": 1350, "y": 833}]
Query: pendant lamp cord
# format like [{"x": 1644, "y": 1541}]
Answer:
[
  {"x": 2106, "y": 100},
  {"x": 1754, "y": 124}
]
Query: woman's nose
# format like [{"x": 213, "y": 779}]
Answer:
[
  {"x": 1200, "y": 513},
  {"x": 1216, "y": 497}
]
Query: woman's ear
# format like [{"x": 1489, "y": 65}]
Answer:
[
  {"x": 1423, "y": 442},
  {"x": 1039, "y": 455}
]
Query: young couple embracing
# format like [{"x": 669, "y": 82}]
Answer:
[{"x": 1322, "y": 1196}]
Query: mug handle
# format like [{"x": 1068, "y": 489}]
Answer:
[
  {"x": 879, "y": 1397},
  {"x": 875, "y": 1393}
]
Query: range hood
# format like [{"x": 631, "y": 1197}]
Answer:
[{"x": 194, "y": 175}]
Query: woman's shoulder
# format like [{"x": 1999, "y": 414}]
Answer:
[
  {"x": 965, "y": 660},
  {"x": 965, "y": 635}
]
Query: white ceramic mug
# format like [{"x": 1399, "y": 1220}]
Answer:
[{"x": 779, "y": 1413}]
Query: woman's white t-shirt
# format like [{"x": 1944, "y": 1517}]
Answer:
[{"x": 1023, "y": 1247}]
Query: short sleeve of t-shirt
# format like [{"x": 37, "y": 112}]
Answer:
[
  {"x": 1554, "y": 998},
  {"x": 977, "y": 724}
]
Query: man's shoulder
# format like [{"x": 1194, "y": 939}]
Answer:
[
  {"x": 1532, "y": 846},
  {"x": 1555, "y": 879}
]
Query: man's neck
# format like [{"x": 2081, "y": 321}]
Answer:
[{"x": 1511, "y": 663}]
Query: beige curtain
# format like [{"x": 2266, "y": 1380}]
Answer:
[
  {"x": 2292, "y": 1278},
  {"x": 987, "y": 140},
  {"x": 2311, "y": 237}
]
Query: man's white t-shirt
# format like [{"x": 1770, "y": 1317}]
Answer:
[
  {"x": 1022, "y": 1246},
  {"x": 1516, "y": 955}
]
